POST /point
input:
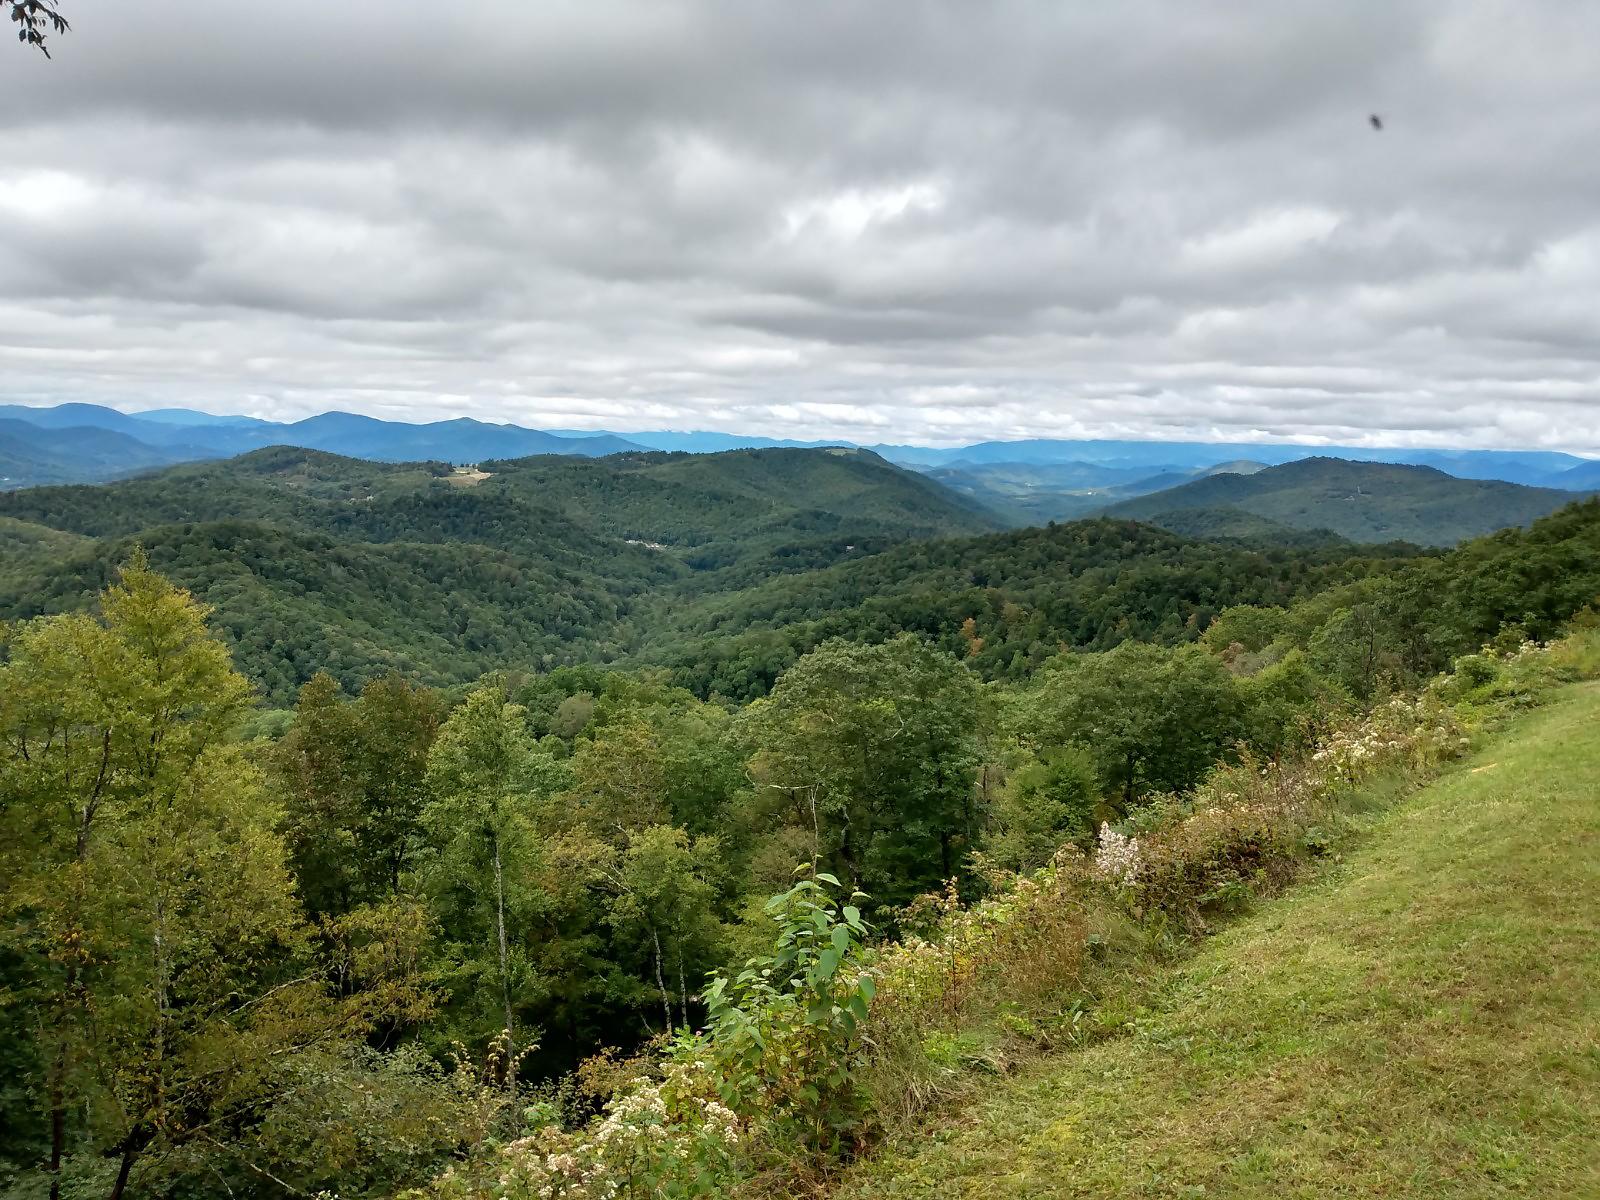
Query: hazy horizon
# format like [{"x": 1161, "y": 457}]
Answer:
[{"x": 624, "y": 432}]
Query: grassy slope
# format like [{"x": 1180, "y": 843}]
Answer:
[{"x": 1423, "y": 1021}]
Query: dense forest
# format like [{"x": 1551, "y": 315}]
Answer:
[
  {"x": 722, "y": 568},
  {"x": 271, "y": 948}
]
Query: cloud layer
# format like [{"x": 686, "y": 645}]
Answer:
[{"x": 930, "y": 222}]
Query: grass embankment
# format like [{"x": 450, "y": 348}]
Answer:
[{"x": 1420, "y": 1020}]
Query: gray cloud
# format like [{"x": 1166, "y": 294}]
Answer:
[{"x": 924, "y": 222}]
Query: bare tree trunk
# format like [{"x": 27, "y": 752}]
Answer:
[
  {"x": 683, "y": 989},
  {"x": 58, "y": 1111},
  {"x": 505, "y": 956},
  {"x": 848, "y": 855},
  {"x": 661, "y": 983},
  {"x": 123, "y": 1171}
]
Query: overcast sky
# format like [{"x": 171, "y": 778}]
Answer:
[{"x": 879, "y": 221}]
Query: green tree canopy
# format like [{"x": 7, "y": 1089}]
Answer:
[
  {"x": 1152, "y": 719},
  {"x": 146, "y": 897},
  {"x": 873, "y": 749}
]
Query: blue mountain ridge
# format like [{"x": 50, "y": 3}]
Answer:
[{"x": 167, "y": 435}]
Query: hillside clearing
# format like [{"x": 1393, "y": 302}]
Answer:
[{"x": 1422, "y": 1021}]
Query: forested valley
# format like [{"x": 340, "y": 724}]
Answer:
[{"x": 361, "y": 821}]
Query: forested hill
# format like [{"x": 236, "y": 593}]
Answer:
[
  {"x": 1005, "y": 602},
  {"x": 679, "y": 499},
  {"x": 1362, "y": 501},
  {"x": 723, "y": 569},
  {"x": 315, "y": 561},
  {"x": 721, "y": 507}
]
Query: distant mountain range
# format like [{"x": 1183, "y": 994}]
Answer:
[
  {"x": 69, "y": 443},
  {"x": 1027, "y": 480}
]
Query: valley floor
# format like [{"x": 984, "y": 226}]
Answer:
[{"x": 1421, "y": 1021}]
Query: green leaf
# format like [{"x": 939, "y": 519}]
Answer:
[
  {"x": 841, "y": 939},
  {"x": 826, "y": 878},
  {"x": 867, "y": 987}
]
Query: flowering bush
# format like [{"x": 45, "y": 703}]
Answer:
[
  {"x": 1116, "y": 858},
  {"x": 664, "y": 1138}
]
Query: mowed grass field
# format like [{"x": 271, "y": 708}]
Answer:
[{"x": 1422, "y": 1020}]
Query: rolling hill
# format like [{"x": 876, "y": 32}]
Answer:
[
  {"x": 1364, "y": 502},
  {"x": 725, "y": 506},
  {"x": 1584, "y": 477},
  {"x": 1035, "y": 493},
  {"x": 1029, "y": 593},
  {"x": 647, "y": 557},
  {"x": 31, "y": 455},
  {"x": 541, "y": 561},
  {"x": 720, "y": 569},
  {"x": 1534, "y": 467}
]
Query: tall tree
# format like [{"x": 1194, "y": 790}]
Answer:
[
  {"x": 873, "y": 749},
  {"x": 490, "y": 833},
  {"x": 663, "y": 905},
  {"x": 620, "y": 780},
  {"x": 1152, "y": 718},
  {"x": 145, "y": 889},
  {"x": 355, "y": 775}
]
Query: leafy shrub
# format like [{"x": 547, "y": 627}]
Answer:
[
  {"x": 785, "y": 1034},
  {"x": 1474, "y": 670},
  {"x": 1047, "y": 801}
]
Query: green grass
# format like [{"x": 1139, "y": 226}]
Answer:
[{"x": 1421, "y": 1020}]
